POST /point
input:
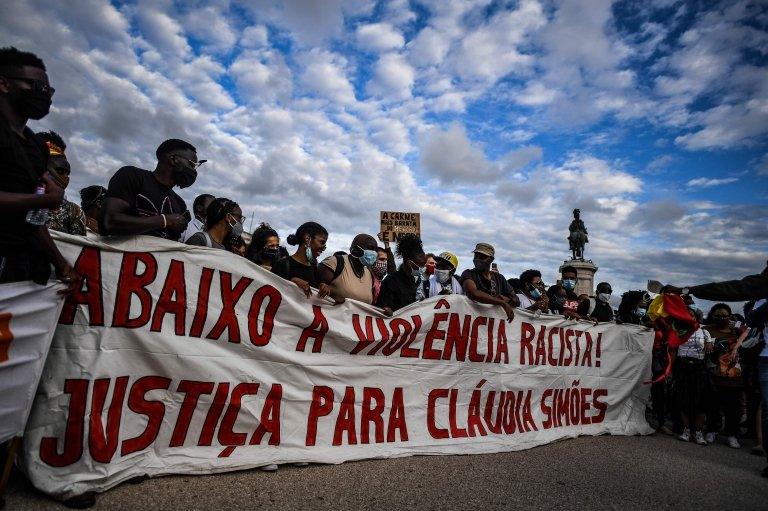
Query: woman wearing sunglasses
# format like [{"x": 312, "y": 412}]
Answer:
[{"x": 68, "y": 217}]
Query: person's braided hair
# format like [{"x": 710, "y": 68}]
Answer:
[{"x": 217, "y": 210}]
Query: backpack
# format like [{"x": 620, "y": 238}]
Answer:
[{"x": 340, "y": 262}]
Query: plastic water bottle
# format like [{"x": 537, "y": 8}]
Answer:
[{"x": 38, "y": 216}]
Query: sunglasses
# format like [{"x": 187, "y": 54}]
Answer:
[
  {"x": 37, "y": 85},
  {"x": 194, "y": 165}
]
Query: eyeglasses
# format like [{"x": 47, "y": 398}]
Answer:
[
  {"x": 239, "y": 218},
  {"x": 37, "y": 85},
  {"x": 191, "y": 163}
]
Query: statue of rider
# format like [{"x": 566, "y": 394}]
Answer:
[{"x": 578, "y": 237}]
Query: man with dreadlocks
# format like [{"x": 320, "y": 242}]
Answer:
[
  {"x": 68, "y": 217},
  {"x": 406, "y": 285}
]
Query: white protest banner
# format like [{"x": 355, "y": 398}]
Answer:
[
  {"x": 180, "y": 359},
  {"x": 28, "y": 314}
]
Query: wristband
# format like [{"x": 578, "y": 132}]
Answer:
[{"x": 165, "y": 221}]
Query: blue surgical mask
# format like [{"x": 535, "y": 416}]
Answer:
[
  {"x": 535, "y": 293},
  {"x": 639, "y": 312},
  {"x": 369, "y": 257},
  {"x": 569, "y": 284}
]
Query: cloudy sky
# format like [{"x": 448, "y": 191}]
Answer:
[{"x": 493, "y": 119}]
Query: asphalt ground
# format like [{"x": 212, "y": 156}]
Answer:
[{"x": 653, "y": 472}]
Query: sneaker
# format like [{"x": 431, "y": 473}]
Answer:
[
  {"x": 82, "y": 501},
  {"x": 685, "y": 436},
  {"x": 733, "y": 443},
  {"x": 699, "y": 438},
  {"x": 664, "y": 429},
  {"x": 711, "y": 437},
  {"x": 268, "y": 468}
]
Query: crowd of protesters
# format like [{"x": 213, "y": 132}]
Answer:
[{"x": 718, "y": 372}]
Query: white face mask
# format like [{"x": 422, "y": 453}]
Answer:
[
  {"x": 443, "y": 276},
  {"x": 604, "y": 297}
]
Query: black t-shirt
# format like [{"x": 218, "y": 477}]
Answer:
[
  {"x": 496, "y": 286},
  {"x": 603, "y": 311},
  {"x": 23, "y": 162},
  {"x": 146, "y": 196},
  {"x": 397, "y": 290},
  {"x": 288, "y": 268}
]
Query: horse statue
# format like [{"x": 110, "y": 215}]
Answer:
[{"x": 578, "y": 237}]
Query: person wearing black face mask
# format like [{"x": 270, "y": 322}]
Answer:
[
  {"x": 725, "y": 376},
  {"x": 26, "y": 248},
  {"x": 484, "y": 286},
  {"x": 143, "y": 202},
  {"x": 405, "y": 286},
  {"x": 265, "y": 247}
]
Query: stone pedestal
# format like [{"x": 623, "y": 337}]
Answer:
[{"x": 585, "y": 271}]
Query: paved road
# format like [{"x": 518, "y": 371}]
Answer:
[{"x": 626, "y": 473}]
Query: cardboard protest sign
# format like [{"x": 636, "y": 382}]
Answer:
[{"x": 395, "y": 223}]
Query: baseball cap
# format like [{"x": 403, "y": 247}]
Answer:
[{"x": 485, "y": 249}]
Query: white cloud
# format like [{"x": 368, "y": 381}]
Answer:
[
  {"x": 254, "y": 36},
  {"x": 310, "y": 22},
  {"x": 325, "y": 75},
  {"x": 491, "y": 51},
  {"x": 536, "y": 94},
  {"x": 659, "y": 163},
  {"x": 262, "y": 76},
  {"x": 392, "y": 135},
  {"x": 163, "y": 32},
  {"x": 393, "y": 77},
  {"x": 727, "y": 126},
  {"x": 379, "y": 37},
  {"x": 710, "y": 63},
  {"x": 212, "y": 27},
  {"x": 705, "y": 182},
  {"x": 429, "y": 47},
  {"x": 586, "y": 172},
  {"x": 452, "y": 157}
]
